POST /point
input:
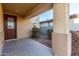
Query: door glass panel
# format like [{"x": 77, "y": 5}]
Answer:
[{"x": 10, "y": 23}]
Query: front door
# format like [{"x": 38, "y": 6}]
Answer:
[{"x": 10, "y": 27}]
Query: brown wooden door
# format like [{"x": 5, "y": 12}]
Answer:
[{"x": 10, "y": 27}]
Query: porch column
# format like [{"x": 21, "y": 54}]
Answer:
[
  {"x": 36, "y": 19},
  {"x": 38, "y": 24},
  {"x": 1, "y": 28},
  {"x": 61, "y": 38}
]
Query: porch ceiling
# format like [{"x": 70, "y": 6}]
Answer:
[
  {"x": 18, "y": 8},
  {"x": 25, "y": 9}
]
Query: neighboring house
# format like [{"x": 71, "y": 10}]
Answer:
[
  {"x": 74, "y": 22},
  {"x": 45, "y": 25}
]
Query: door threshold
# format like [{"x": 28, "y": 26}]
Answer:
[{"x": 10, "y": 40}]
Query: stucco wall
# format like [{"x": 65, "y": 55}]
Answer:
[
  {"x": 24, "y": 27},
  {"x": 1, "y": 28}
]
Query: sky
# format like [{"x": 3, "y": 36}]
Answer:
[
  {"x": 46, "y": 15},
  {"x": 73, "y": 9}
]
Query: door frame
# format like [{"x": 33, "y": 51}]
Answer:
[{"x": 15, "y": 19}]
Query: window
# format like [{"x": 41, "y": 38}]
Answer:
[{"x": 10, "y": 23}]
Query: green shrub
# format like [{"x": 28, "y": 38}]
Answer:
[
  {"x": 49, "y": 32},
  {"x": 35, "y": 32}
]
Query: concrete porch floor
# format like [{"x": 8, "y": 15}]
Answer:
[{"x": 25, "y": 47}]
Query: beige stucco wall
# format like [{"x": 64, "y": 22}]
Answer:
[
  {"x": 24, "y": 27},
  {"x": 1, "y": 28}
]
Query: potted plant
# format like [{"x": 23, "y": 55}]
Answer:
[
  {"x": 49, "y": 32},
  {"x": 35, "y": 32}
]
